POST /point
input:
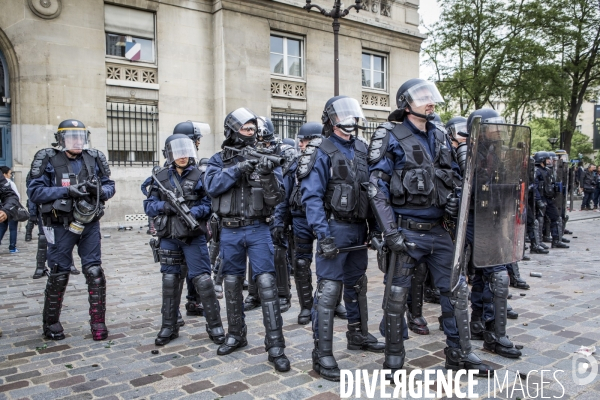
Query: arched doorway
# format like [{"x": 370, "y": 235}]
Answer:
[{"x": 5, "y": 142}]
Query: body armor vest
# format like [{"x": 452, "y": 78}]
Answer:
[
  {"x": 546, "y": 185},
  {"x": 171, "y": 226},
  {"x": 345, "y": 197},
  {"x": 60, "y": 211},
  {"x": 423, "y": 182},
  {"x": 245, "y": 199}
]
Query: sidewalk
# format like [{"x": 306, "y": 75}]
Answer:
[{"x": 560, "y": 313}]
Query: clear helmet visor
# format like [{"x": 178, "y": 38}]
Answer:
[
  {"x": 201, "y": 129},
  {"x": 238, "y": 118},
  {"x": 459, "y": 129},
  {"x": 346, "y": 112},
  {"x": 422, "y": 94},
  {"x": 73, "y": 138},
  {"x": 180, "y": 148},
  {"x": 495, "y": 132}
]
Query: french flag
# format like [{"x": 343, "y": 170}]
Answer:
[{"x": 133, "y": 51}]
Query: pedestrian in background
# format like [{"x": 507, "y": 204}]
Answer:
[{"x": 11, "y": 225}]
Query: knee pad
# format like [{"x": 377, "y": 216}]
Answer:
[
  {"x": 203, "y": 283},
  {"x": 94, "y": 274},
  {"x": 266, "y": 286},
  {"x": 328, "y": 293},
  {"x": 302, "y": 270}
]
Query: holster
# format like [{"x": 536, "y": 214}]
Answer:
[
  {"x": 215, "y": 227},
  {"x": 154, "y": 246}
]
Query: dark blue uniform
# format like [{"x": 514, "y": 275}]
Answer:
[
  {"x": 433, "y": 247},
  {"x": 541, "y": 192},
  {"x": 195, "y": 252},
  {"x": 346, "y": 267},
  {"x": 43, "y": 190},
  {"x": 255, "y": 238}
]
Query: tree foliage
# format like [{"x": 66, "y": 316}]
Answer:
[{"x": 533, "y": 56}]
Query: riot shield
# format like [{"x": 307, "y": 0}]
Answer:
[
  {"x": 463, "y": 211},
  {"x": 500, "y": 189}
]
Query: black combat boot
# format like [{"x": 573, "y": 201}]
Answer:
[
  {"x": 170, "y": 291},
  {"x": 274, "y": 341},
  {"x": 499, "y": 345},
  {"x": 510, "y": 313},
  {"x": 359, "y": 340},
  {"x": 53, "y": 299},
  {"x": 236, "y": 331},
  {"x": 304, "y": 288},
  {"x": 456, "y": 359},
  {"x": 558, "y": 244},
  {"x": 417, "y": 324},
  {"x": 211, "y": 306}
]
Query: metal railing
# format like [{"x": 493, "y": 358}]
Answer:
[
  {"x": 287, "y": 125},
  {"x": 371, "y": 126},
  {"x": 132, "y": 134}
]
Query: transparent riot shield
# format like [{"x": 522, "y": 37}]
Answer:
[{"x": 500, "y": 189}]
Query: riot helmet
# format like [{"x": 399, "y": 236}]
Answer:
[
  {"x": 180, "y": 146},
  {"x": 415, "y": 92},
  {"x": 307, "y": 132},
  {"x": 289, "y": 141},
  {"x": 193, "y": 130},
  {"x": 488, "y": 116},
  {"x": 72, "y": 136},
  {"x": 288, "y": 152},
  {"x": 540, "y": 157},
  {"x": 562, "y": 154},
  {"x": 344, "y": 113},
  {"x": 235, "y": 120},
  {"x": 266, "y": 130},
  {"x": 457, "y": 126}
]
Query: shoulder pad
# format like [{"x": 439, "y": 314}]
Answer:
[
  {"x": 378, "y": 145},
  {"x": 40, "y": 160},
  {"x": 388, "y": 125},
  {"x": 102, "y": 161},
  {"x": 307, "y": 159},
  {"x": 361, "y": 146}
]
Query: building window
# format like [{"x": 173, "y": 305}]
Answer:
[
  {"x": 132, "y": 134},
  {"x": 578, "y": 128},
  {"x": 287, "y": 124},
  {"x": 129, "y": 33},
  {"x": 286, "y": 56},
  {"x": 373, "y": 71}
]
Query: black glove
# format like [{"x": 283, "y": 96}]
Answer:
[
  {"x": 328, "y": 249},
  {"x": 248, "y": 166},
  {"x": 265, "y": 166},
  {"x": 452, "y": 204},
  {"x": 277, "y": 234},
  {"x": 540, "y": 204},
  {"x": 91, "y": 188},
  {"x": 33, "y": 219},
  {"x": 77, "y": 191},
  {"x": 168, "y": 209},
  {"x": 396, "y": 242}
]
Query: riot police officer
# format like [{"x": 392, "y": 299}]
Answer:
[
  {"x": 332, "y": 172},
  {"x": 244, "y": 190},
  {"x": 544, "y": 192},
  {"x": 412, "y": 177},
  {"x": 71, "y": 186},
  {"x": 181, "y": 229},
  {"x": 489, "y": 291}
]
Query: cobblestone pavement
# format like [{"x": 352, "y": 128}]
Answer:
[{"x": 560, "y": 313}]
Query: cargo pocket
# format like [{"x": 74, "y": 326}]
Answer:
[
  {"x": 397, "y": 189},
  {"x": 161, "y": 224},
  {"x": 419, "y": 185},
  {"x": 257, "y": 199},
  {"x": 343, "y": 200}
]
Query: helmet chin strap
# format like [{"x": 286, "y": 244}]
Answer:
[{"x": 426, "y": 117}]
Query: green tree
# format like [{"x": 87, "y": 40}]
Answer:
[{"x": 544, "y": 128}]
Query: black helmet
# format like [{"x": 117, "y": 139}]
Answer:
[
  {"x": 193, "y": 130},
  {"x": 310, "y": 130},
  {"x": 203, "y": 164},
  {"x": 540, "y": 157},
  {"x": 72, "y": 135},
  {"x": 179, "y": 146},
  {"x": 288, "y": 152},
  {"x": 235, "y": 120},
  {"x": 266, "y": 130},
  {"x": 457, "y": 126},
  {"x": 343, "y": 112},
  {"x": 410, "y": 94},
  {"x": 488, "y": 116}
]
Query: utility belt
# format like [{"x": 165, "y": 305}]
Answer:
[
  {"x": 241, "y": 222},
  {"x": 416, "y": 226},
  {"x": 332, "y": 217}
]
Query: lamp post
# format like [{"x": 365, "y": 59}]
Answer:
[
  {"x": 552, "y": 142},
  {"x": 336, "y": 13}
]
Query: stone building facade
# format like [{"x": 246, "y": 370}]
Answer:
[{"x": 132, "y": 69}]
